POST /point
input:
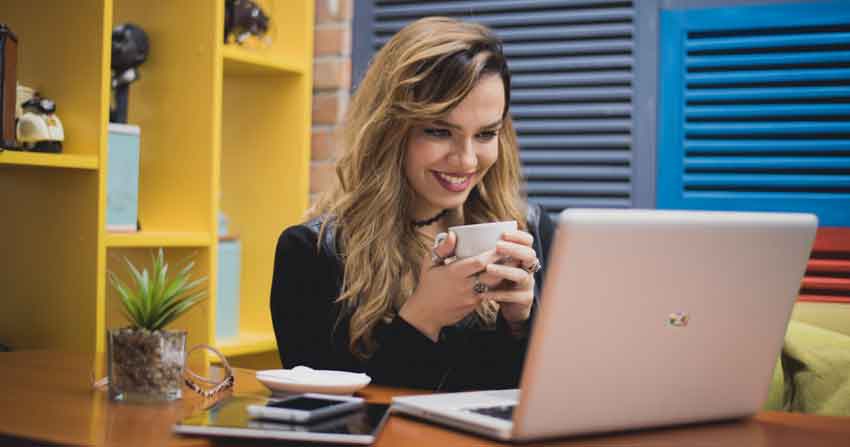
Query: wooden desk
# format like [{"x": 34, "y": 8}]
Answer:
[{"x": 47, "y": 396}]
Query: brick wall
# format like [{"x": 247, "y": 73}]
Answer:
[{"x": 331, "y": 84}]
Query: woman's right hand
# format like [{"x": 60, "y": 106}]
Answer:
[{"x": 444, "y": 295}]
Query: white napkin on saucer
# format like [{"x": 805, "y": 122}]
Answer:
[{"x": 307, "y": 375}]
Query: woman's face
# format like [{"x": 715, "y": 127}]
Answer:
[{"x": 447, "y": 158}]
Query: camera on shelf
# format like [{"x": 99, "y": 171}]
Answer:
[
  {"x": 243, "y": 19},
  {"x": 28, "y": 120},
  {"x": 38, "y": 129}
]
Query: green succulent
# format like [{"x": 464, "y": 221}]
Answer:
[{"x": 155, "y": 301}]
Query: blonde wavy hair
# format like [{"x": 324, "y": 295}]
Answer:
[{"x": 420, "y": 75}]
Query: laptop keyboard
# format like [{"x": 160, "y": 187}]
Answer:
[{"x": 505, "y": 412}]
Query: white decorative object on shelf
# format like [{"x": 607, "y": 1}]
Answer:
[
  {"x": 229, "y": 292},
  {"x": 122, "y": 179}
]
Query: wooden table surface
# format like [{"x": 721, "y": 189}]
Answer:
[{"x": 48, "y": 397}]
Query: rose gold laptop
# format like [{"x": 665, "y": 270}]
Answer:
[{"x": 648, "y": 318}]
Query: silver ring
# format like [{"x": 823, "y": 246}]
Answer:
[
  {"x": 479, "y": 287},
  {"x": 437, "y": 259},
  {"x": 534, "y": 268}
]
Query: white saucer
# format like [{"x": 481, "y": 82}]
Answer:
[{"x": 302, "y": 379}]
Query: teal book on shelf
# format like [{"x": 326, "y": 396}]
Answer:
[
  {"x": 227, "y": 301},
  {"x": 122, "y": 180}
]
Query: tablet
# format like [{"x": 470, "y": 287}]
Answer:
[{"x": 230, "y": 418}]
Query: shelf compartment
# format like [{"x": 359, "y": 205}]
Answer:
[
  {"x": 248, "y": 343},
  {"x": 240, "y": 61},
  {"x": 159, "y": 239},
  {"x": 71, "y": 161}
]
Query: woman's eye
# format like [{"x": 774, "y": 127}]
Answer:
[
  {"x": 437, "y": 132},
  {"x": 487, "y": 136}
]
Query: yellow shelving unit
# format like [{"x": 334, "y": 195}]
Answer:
[
  {"x": 257, "y": 160},
  {"x": 158, "y": 239},
  {"x": 248, "y": 343},
  {"x": 223, "y": 128},
  {"x": 239, "y": 61},
  {"x": 48, "y": 160}
]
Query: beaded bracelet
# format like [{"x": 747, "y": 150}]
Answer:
[{"x": 190, "y": 376}]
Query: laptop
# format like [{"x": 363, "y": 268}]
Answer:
[{"x": 648, "y": 318}]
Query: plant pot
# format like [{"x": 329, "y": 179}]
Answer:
[{"x": 146, "y": 366}]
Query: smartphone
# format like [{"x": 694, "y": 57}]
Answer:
[{"x": 305, "y": 407}]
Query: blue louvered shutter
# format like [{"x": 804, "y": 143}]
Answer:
[
  {"x": 571, "y": 63},
  {"x": 755, "y": 109}
]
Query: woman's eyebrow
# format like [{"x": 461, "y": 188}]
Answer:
[{"x": 455, "y": 126}]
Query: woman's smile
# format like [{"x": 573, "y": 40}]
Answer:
[{"x": 454, "y": 182}]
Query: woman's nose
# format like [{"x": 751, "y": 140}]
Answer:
[{"x": 464, "y": 155}]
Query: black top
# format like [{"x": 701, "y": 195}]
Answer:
[{"x": 308, "y": 279}]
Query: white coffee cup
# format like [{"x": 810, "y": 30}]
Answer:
[{"x": 478, "y": 238}]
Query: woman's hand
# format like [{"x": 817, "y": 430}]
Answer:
[
  {"x": 515, "y": 289},
  {"x": 444, "y": 295}
]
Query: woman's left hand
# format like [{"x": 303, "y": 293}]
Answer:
[{"x": 515, "y": 290}]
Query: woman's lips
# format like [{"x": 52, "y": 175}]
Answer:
[{"x": 453, "y": 182}]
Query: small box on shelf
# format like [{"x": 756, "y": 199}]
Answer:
[{"x": 122, "y": 181}]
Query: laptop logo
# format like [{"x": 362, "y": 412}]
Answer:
[{"x": 678, "y": 319}]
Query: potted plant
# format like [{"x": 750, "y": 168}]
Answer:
[{"x": 145, "y": 361}]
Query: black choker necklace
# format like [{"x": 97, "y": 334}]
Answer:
[{"x": 426, "y": 222}]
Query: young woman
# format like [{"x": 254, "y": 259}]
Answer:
[{"x": 428, "y": 143}]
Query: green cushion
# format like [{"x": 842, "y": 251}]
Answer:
[
  {"x": 813, "y": 372},
  {"x": 775, "y": 398}
]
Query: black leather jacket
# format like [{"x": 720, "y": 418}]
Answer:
[{"x": 307, "y": 280}]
